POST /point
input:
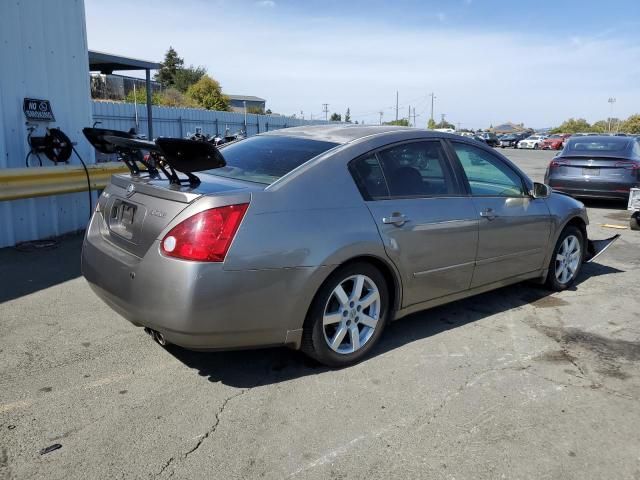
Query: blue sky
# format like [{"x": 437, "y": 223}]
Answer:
[{"x": 487, "y": 61}]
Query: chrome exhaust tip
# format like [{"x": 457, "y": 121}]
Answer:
[{"x": 159, "y": 338}]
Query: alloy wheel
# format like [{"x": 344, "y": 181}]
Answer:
[
  {"x": 568, "y": 259},
  {"x": 351, "y": 314}
]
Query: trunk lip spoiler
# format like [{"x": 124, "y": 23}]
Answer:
[{"x": 595, "y": 248}]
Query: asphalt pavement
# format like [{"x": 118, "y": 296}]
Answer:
[{"x": 516, "y": 383}]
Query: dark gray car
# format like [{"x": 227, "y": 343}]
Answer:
[
  {"x": 315, "y": 237},
  {"x": 596, "y": 167}
]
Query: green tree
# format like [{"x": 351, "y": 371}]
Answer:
[
  {"x": 403, "y": 122},
  {"x": 207, "y": 93},
  {"x": 431, "y": 124},
  {"x": 185, "y": 77},
  {"x": 631, "y": 124},
  {"x": 140, "y": 96},
  {"x": 172, "y": 97},
  {"x": 601, "y": 126},
  {"x": 171, "y": 64},
  {"x": 347, "y": 116},
  {"x": 335, "y": 117},
  {"x": 573, "y": 125}
]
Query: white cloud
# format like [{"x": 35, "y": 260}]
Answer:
[{"x": 266, "y": 3}]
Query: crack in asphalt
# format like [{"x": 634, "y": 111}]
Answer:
[{"x": 204, "y": 436}]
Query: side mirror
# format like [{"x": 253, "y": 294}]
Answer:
[{"x": 540, "y": 190}]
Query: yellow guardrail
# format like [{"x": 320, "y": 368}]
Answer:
[{"x": 17, "y": 183}]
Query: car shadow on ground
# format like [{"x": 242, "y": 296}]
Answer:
[
  {"x": 254, "y": 368},
  {"x": 34, "y": 266},
  {"x": 604, "y": 204}
]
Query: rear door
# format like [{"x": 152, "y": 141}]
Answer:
[
  {"x": 428, "y": 225},
  {"x": 514, "y": 228}
]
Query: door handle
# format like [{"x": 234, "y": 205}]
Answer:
[
  {"x": 396, "y": 219},
  {"x": 489, "y": 214}
]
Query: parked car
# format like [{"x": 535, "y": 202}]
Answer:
[
  {"x": 490, "y": 138},
  {"x": 554, "y": 142},
  {"x": 316, "y": 237},
  {"x": 533, "y": 142},
  {"x": 597, "y": 167},
  {"x": 511, "y": 140}
]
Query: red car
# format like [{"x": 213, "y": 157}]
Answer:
[{"x": 554, "y": 142}]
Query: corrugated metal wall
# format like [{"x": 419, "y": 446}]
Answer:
[
  {"x": 43, "y": 53},
  {"x": 178, "y": 122}
]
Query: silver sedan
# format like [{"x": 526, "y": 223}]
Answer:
[{"x": 316, "y": 237}]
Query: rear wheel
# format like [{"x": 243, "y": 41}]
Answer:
[
  {"x": 347, "y": 315},
  {"x": 566, "y": 260},
  {"x": 535, "y": 146},
  {"x": 634, "y": 221}
]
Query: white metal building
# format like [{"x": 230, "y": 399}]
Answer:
[{"x": 43, "y": 53}]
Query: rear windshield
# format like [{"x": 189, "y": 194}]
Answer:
[
  {"x": 264, "y": 159},
  {"x": 590, "y": 144}
]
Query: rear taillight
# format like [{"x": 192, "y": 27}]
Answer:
[
  {"x": 628, "y": 165},
  {"x": 556, "y": 164},
  {"x": 206, "y": 236}
]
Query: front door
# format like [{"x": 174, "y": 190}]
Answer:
[
  {"x": 427, "y": 223},
  {"x": 514, "y": 228}
]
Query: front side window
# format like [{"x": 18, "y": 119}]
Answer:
[
  {"x": 417, "y": 169},
  {"x": 487, "y": 174}
]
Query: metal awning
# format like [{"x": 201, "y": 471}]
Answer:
[{"x": 107, "y": 63}]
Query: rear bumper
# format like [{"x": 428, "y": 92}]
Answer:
[
  {"x": 590, "y": 188},
  {"x": 199, "y": 305}
]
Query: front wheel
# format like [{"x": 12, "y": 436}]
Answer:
[
  {"x": 566, "y": 260},
  {"x": 347, "y": 315}
]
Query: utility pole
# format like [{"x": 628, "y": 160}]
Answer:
[
  {"x": 442, "y": 115},
  {"x": 459, "y": 125},
  {"x": 302, "y": 114},
  {"x": 611, "y": 101},
  {"x": 325, "y": 109},
  {"x": 244, "y": 102},
  {"x": 380, "y": 117},
  {"x": 414, "y": 117},
  {"x": 433, "y": 97},
  {"x": 396, "y": 105},
  {"x": 409, "y": 116}
]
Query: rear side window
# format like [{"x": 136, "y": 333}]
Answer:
[
  {"x": 417, "y": 169},
  {"x": 368, "y": 175},
  {"x": 264, "y": 159}
]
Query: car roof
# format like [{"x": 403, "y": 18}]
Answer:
[{"x": 346, "y": 133}]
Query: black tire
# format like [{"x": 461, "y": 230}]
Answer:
[
  {"x": 552, "y": 282},
  {"x": 535, "y": 146},
  {"x": 634, "y": 221},
  {"x": 314, "y": 343}
]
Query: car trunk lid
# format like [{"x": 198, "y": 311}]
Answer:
[
  {"x": 134, "y": 211},
  {"x": 592, "y": 166}
]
